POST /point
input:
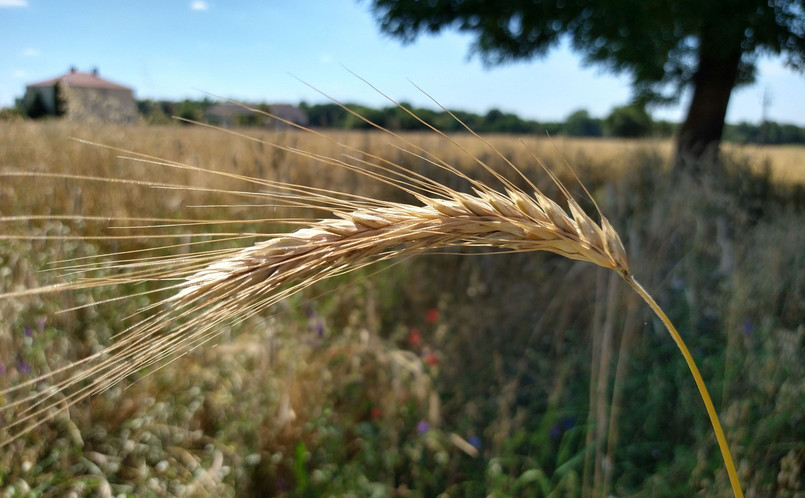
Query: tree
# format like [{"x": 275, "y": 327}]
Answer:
[
  {"x": 37, "y": 108},
  {"x": 325, "y": 115},
  {"x": 665, "y": 45},
  {"x": 191, "y": 110},
  {"x": 629, "y": 121},
  {"x": 60, "y": 99},
  {"x": 580, "y": 124}
]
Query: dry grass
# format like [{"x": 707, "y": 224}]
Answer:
[
  {"x": 786, "y": 163},
  {"x": 214, "y": 288}
]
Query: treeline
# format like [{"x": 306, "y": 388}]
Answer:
[
  {"x": 395, "y": 118},
  {"x": 631, "y": 121},
  {"x": 769, "y": 133},
  {"x": 164, "y": 111},
  {"x": 626, "y": 121}
]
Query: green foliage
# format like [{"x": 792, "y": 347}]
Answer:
[
  {"x": 621, "y": 121},
  {"x": 768, "y": 132},
  {"x": 628, "y": 121},
  {"x": 580, "y": 124},
  {"x": 155, "y": 112},
  {"x": 631, "y": 121},
  {"x": 663, "y": 129},
  {"x": 657, "y": 43},
  {"x": 190, "y": 110},
  {"x": 163, "y": 111},
  {"x": 394, "y": 118},
  {"x": 325, "y": 115},
  {"x": 60, "y": 99},
  {"x": 37, "y": 109}
]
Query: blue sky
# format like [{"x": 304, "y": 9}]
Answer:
[{"x": 249, "y": 50}]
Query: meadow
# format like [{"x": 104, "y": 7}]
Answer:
[{"x": 465, "y": 373}]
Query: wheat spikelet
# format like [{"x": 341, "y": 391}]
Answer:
[{"x": 214, "y": 288}]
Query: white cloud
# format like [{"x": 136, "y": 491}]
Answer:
[
  {"x": 13, "y": 3},
  {"x": 30, "y": 52},
  {"x": 195, "y": 5},
  {"x": 20, "y": 73}
]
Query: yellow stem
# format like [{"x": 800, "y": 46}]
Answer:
[{"x": 708, "y": 403}]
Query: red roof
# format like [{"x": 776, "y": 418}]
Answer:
[{"x": 82, "y": 80}]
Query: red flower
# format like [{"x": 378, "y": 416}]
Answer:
[
  {"x": 432, "y": 316},
  {"x": 414, "y": 337},
  {"x": 375, "y": 413},
  {"x": 432, "y": 359}
]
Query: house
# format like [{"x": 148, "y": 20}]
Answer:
[
  {"x": 82, "y": 97},
  {"x": 228, "y": 114},
  {"x": 289, "y": 113}
]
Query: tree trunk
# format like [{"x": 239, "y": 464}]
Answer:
[{"x": 699, "y": 137}]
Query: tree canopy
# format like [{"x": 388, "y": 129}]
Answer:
[
  {"x": 581, "y": 124},
  {"x": 630, "y": 121},
  {"x": 664, "y": 45}
]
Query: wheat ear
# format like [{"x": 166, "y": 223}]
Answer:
[{"x": 223, "y": 286}]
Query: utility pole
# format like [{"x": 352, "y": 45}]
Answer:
[{"x": 763, "y": 136}]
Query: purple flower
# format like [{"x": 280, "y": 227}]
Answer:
[
  {"x": 22, "y": 366},
  {"x": 748, "y": 327},
  {"x": 314, "y": 323},
  {"x": 28, "y": 332},
  {"x": 475, "y": 441},
  {"x": 564, "y": 425},
  {"x": 422, "y": 427}
]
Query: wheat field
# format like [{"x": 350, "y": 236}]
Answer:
[{"x": 286, "y": 354}]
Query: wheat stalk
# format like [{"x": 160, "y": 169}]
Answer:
[{"x": 211, "y": 289}]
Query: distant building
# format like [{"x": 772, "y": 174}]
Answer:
[
  {"x": 289, "y": 113},
  {"x": 229, "y": 114},
  {"x": 82, "y": 97}
]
